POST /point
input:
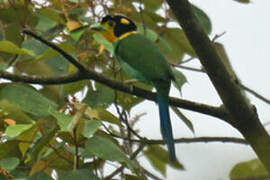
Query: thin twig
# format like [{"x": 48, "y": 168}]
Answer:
[
  {"x": 151, "y": 175},
  {"x": 187, "y": 60},
  {"x": 60, "y": 155},
  {"x": 188, "y": 140},
  {"x": 58, "y": 49},
  {"x": 123, "y": 119},
  {"x": 142, "y": 18},
  {"x": 254, "y": 93},
  {"x": 189, "y": 68},
  {"x": 76, "y": 156},
  {"x": 11, "y": 62},
  {"x": 134, "y": 155},
  {"x": 136, "y": 118},
  {"x": 218, "y": 36}
]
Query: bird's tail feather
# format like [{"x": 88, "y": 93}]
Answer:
[{"x": 165, "y": 124}]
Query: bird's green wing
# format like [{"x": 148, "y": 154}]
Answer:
[{"x": 144, "y": 57}]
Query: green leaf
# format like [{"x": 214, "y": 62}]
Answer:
[
  {"x": 81, "y": 174},
  {"x": 9, "y": 148},
  {"x": 179, "y": 45},
  {"x": 40, "y": 176},
  {"x": 12, "y": 33},
  {"x": 102, "y": 114},
  {"x": 53, "y": 14},
  {"x": 154, "y": 156},
  {"x": 72, "y": 88},
  {"x": 18, "y": 174},
  {"x": 1, "y": 34},
  {"x": 91, "y": 126},
  {"x": 183, "y": 118},
  {"x": 14, "y": 112},
  {"x": 50, "y": 53},
  {"x": 107, "y": 150},
  {"x": 45, "y": 23},
  {"x": 41, "y": 68},
  {"x": 9, "y": 47},
  {"x": 55, "y": 93},
  {"x": 28, "y": 99},
  {"x": 131, "y": 177},
  {"x": 17, "y": 129},
  {"x": 58, "y": 64},
  {"x": 57, "y": 162},
  {"x": 248, "y": 168},
  {"x": 159, "y": 157},
  {"x": 36, "y": 46},
  {"x": 63, "y": 120},
  {"x": 41, "y": 143},
  {"x": 101, "y": 40},
  {"x": 77, "y": 34},
  {"x": 128, "y": 101},
  {"x": 9, "y": 163},
  {"x": 180, "y": 79},
  {"x": 203, "y": 19},
  {"x": 152, "y": 5},
  {"x": 26, "y": 137},
  {"x": 3, "y": 65},
  {"x": 102, "y": 97}
]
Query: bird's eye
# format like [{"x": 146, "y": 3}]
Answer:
[{"x": 111, "y": 23}]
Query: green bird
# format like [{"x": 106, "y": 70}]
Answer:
[{"x": 141, "y": 59}]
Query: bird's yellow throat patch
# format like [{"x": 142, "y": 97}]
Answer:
[{"x": 110, "y": 36}]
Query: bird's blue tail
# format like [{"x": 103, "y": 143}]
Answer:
[{"x": 165, "y": 124}]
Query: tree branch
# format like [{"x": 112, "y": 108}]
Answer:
[
  {"x": 244, "y": 118},
  {"x": 188, "y": 140},
  {"x": 72, "y": 60},
  {"x": 85, "y": 73},
  {"x": 64, "y": 79},
  {"x": 139, "y": 92}
]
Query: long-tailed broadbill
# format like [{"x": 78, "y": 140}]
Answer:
[{"x": 142, "y": 59}]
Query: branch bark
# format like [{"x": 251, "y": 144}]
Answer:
[
  {"x": 244, "y": 117},
  {"x": 217, "y": 112}
]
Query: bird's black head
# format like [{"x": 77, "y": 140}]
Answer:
[{"x": 119, "y": 24}]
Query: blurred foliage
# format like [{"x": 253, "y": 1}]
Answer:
[
  {"x": 252, "y": 169},
  {"x": 59, "y": 131}
]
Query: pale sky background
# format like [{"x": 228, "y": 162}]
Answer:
[{"x": 247, "y": 43}]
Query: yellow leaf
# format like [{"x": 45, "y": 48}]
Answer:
[
  {"x": 38, "y": 166},
  {"x": 73, "y": 25},
  {"x": 72, "y": 68},
  {"x": 91, "y": 113},
  {"x": 82, "y": 55},
  {"x": 10, "y": 47},
  {"x": 101, "y": 49},
  {"x": 9, "y": 121}
]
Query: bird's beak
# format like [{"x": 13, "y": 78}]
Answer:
[{"x": 97, "y": 27}]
